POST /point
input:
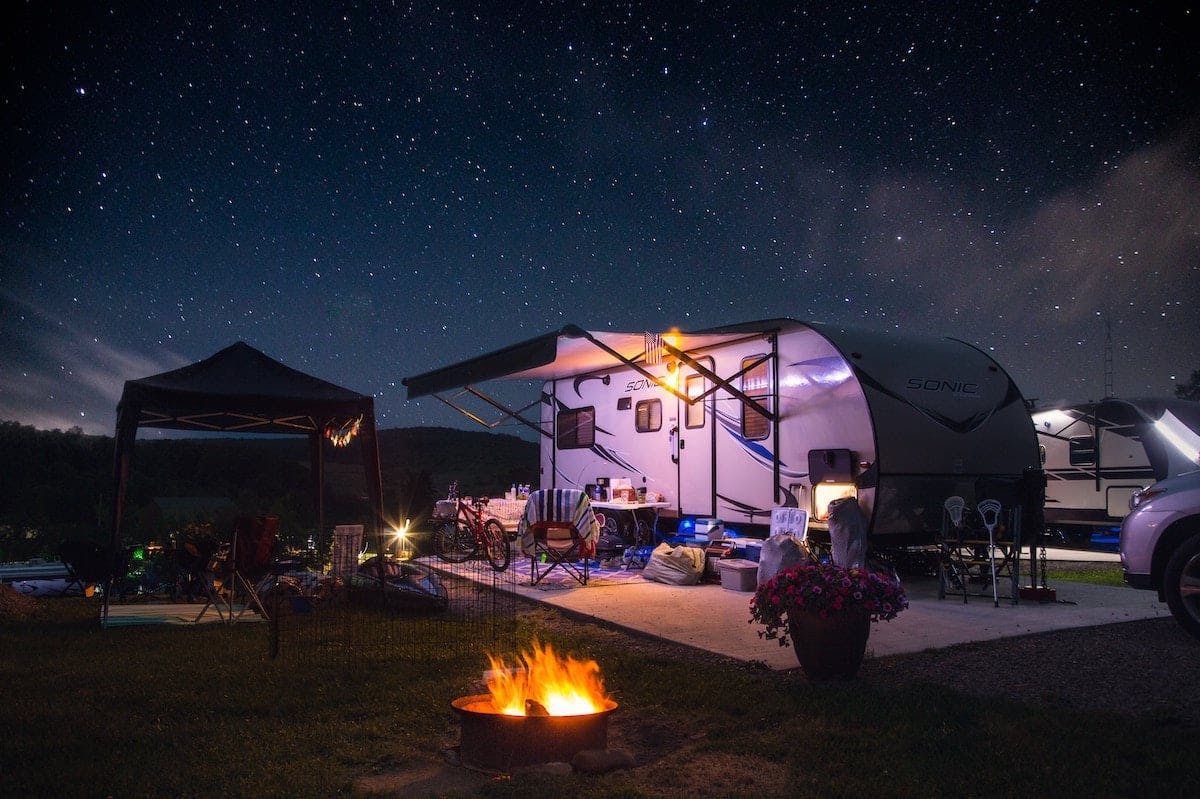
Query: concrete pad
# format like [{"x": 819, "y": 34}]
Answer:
[
  {"x": 1078, "y": 556},
  {"x": 717, "y": 619}
]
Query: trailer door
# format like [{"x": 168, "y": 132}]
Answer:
[{"x": 695, "y": 436}]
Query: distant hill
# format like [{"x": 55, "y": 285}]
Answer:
[
  {"x": 481, "y": 462},
  {"x": 419, "y": 463},
  {"x": 58, "y": 485}
]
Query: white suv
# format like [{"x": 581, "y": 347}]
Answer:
[{"x": 1160, "y": 545}]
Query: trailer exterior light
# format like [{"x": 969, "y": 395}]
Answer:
[
  {"x": 1055, "y": 421},
  {"x": 824, "y": 493},
  {"x": 825, "y": 372}
]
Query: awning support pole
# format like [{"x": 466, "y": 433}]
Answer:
[
  {"x": 508, "y": 413},
  {"x": 720, "y": 382}
]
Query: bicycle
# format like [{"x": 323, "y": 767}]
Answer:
[{"x": 459, "y": 538}]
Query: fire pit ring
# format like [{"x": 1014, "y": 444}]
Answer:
[{"x": 493, "y": 740}]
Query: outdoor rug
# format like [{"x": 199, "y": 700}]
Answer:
[
  {"x": 120, "y": 615},
  {"x": 558, "y": 579},
  {"x": 519, "y": 574}
]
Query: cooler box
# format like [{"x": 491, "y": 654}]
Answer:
[
  {"x": 749, "y": 549},
  {"x": 738, "y": 574}
]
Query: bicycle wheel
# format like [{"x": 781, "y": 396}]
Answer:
[
  {"x": 454, "y": 542},
  {"x": 495, "y": 547}
]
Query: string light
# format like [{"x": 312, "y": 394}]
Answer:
[{"x": 343, "y": 435}]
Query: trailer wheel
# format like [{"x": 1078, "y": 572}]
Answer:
[{"x": 1181, "y": 584}]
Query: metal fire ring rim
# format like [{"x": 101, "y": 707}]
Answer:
[{"x": 460, "y": 705}]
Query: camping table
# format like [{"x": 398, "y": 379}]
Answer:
[
  {"x": 506, "y": 511},
  {"x": 649, "y": 511}
]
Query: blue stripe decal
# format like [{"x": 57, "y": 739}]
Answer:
[{"x": 756, "y": 450}]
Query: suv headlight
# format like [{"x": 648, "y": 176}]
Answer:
[{"x": 1145, "y": 495}]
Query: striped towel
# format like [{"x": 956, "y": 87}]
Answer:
[{"x": 558, "y": 505}]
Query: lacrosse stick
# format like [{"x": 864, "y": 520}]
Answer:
[{"x": 989, "y": 511}]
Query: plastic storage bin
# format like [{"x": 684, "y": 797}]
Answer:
[{"x": 738, "y": 574}]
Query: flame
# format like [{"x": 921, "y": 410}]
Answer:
[{"x": 563, "y": 686}]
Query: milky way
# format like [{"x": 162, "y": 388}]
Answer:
[{"x": 370, "y": 193}]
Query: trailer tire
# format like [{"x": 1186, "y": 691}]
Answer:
[{"x": 1181, "y": 584}]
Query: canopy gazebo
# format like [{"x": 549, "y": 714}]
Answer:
[{"x": 240, "y": 390}]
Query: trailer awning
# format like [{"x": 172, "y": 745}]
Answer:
[
  {"x": 560, "y": 353},
  {"x": 572, "y": 351}
]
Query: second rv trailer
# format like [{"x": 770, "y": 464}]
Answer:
[
  {"x": 730, "y": 422},
  {"x": 1096, "y": 455}
]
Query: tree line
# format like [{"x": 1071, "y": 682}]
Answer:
[{"x": 58, "y": 485}]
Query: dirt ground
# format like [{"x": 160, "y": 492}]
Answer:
[{"x": 14, "y": 605}]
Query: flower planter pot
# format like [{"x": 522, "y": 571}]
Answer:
[{"x": 829, "y": 647}]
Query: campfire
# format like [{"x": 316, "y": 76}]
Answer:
[
  {"x": 543, "y": 708},
  {"x": 544, "y": 684}
]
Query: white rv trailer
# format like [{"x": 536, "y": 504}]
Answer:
[
  {"x": 730, "y": 422},
  {"x": 1097, "y": 454}
]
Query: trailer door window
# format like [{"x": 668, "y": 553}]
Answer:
[
  {"x": 694, "y": 415},
  {"x": 1083, "y": 451},
  {"x": 756, "y": 384},
  {"x": 648, "y": 415},
  {"x": 576, "y": 428}
]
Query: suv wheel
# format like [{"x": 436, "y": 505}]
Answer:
[{"x": 1181, "y": 583}]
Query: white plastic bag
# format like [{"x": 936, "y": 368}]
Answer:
[{"x": 675, "y": 565}]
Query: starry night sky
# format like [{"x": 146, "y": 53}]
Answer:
[{"x": 370, "y": 192}]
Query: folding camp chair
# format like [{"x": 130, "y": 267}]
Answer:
[
  {"x": 970, "y": 554},
  {"x": 89, "y": 565},
  {"x": 558, "y": 531},
  {"x": 239, "y": 567},
  {"x": 193, "y": 559}
]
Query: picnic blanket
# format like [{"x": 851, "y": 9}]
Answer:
[{"x": 558, "y": 505}]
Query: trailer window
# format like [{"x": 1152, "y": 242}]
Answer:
[
  {"x": 648, "y": 415},
  {"x": 1082, "y": 451},
  {"x": 756, "y": 384},
  {"x": 576, "y": 428},
  {"x": 694, "y": 415}
]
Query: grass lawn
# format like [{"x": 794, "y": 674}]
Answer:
[
  {"x": 203, "y": 711},
  {"x": 1100, "y": 574}
]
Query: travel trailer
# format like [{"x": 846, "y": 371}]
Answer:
[
  {"x": 1097, "y": 454},
  {"x": 731, "y": 422}
]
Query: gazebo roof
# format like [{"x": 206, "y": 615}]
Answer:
[{"x": 239, "y": 389}]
